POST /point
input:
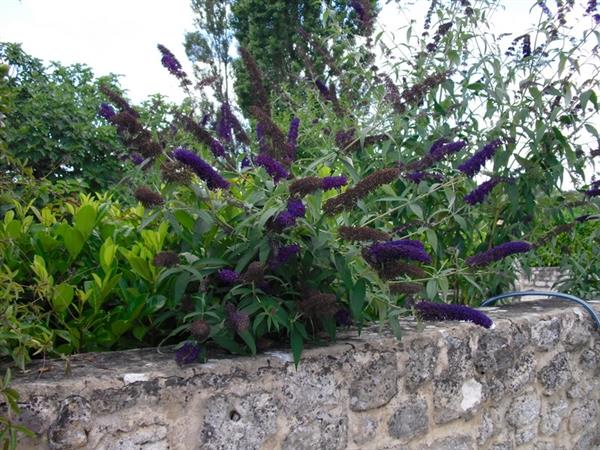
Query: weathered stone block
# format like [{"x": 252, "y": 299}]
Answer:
[
  {"x": 365, "y": 430},
  {"x": 326, "y": 431},
  {"x": 553, "y": 416},
  {"x": 582, "y": 416},
  {"x": 70, "y": 430},
  {"x": 409, "y": 420},
  {"x": 493, "y": 353},
  {"x": 545, "y": 334},
  {"x": 233, "y": 422},
  {"x": 422, "y": 359},
  {"x": 375, "y": 385},
  {"x": 453, "y": 443},
  {"x": 556, "y": 374},
  {"x": 454, "y": 398},
  {"x": 523, "y": 410}
]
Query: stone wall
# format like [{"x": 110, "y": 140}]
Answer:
[{"x": 531, "y": 382}]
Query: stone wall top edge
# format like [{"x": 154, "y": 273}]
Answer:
[{"x": 125, "y": 367}]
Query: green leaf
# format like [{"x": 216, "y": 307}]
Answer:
[
  {"x": 74, "y": 240},
  {"x": 431, "y": 289},
  {"x": 85, "y": 220},
  {"x": 107, "y": 254},
  {"x": 416, "y": 209},
  {"x": 118, "y": 327},
  {"x": 249, "y": 340},
  {"x": 357, "y": 299},
  {"x": 395, "y": 326},
  {"x": 63, "y": 296}
]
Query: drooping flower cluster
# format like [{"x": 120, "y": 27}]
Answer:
[
  {"x": 130, "y": 130},
  {"x": 236, "y": 320},
  {"x": 441, "y": 311},
  {"x": 594, "y": 190},
  {"x": 200, "y": 329},
  {"x": 363, "y": 234},
  {"x": 418, "y": 176},
  {"x": 437, "y": 37},
  {"x": 259, "y": 92},
  {"x": 279, "y": 147},
  {"x": 106, "y": 111},
  {"x": 407, "y": 288},
  {"x": 474, "y": 164},
  {"x": 292, "y": 137},
  {"x": 272, "y": 166},
  {"x": 227, "y": 123},
  {"x": 166, "y": 259},
  {"x": 414, "y": 95},
  {"x": 343, "y": 317},
  {"x": 136, "y": 158},
  {"x": 525, "y": 40},
  {"x": 348, "y": 199},
  {"x": 591, "y": 10},
  {"x": 499, "y": 252},
  {"x": 228, "y": 276},
  {"x": 307, "y": 185},
  {"x": 175, "y": 172},
  {"x": 171, "y": 63},
  {"x": 148, "y": 197},
  {"x": 201, "y": 168},
  {"x": 479, "y": 194},
  {"x": 382, "y": 252},
  {"x": 318, "y": 305},
  {"x": 438, "y": 151},
  {"x": 323, "y": 90},
  {"x": 187, "y": 354},
  {"x": 285, "y": 219},
  {"x": 283, "y": 254},
  {"x": 391, "y": 270},
  {"x": 202, "y": 135},
  {"x": 365, "y": 15}
]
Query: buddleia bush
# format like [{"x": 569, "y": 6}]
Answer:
[{"x": 397, "y": 185}]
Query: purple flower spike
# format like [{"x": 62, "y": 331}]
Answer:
[
  {"x": 106, "y": 111},
  {"x": 171, "y": 63},
  {"x": 593, "y": 192},
  {"x": 479, "y": 194},
  {"x": 283, "y": 220},
  {"x": 216, "y": 148},
  {"x": 292, "y": 137},
  {"x": 499, "y": 252},
  {"x": 287, "y": 218},
  {"x": 201, "y": 168},
  {"x": 262, "y": 138},
  {"x": 474, "y": 164},
  {"x": 402, "y": 248},
  {"x": 333, "y": 182},
  {"x": 225, "y": 125},
  {"x": 187, "y": 354},
  {"x": 272, "y": 166},
  {"x": 136, "y": 158},
  {"x": 342, "y": 317},
  {"x": 323, "y": 89},
  {"x": 228, "y": 276},
  {"x": 284, "y": 254},
  {"x": 246, "y": 162},
  {"x": 235, "y": 319},
  {"x": 441, "y": 311},
  {"x": 296, "y": 208}
]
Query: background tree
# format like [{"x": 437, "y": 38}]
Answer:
[
  {"x": 208, "y": 47},
  {"x": 53, "y": 122}
]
